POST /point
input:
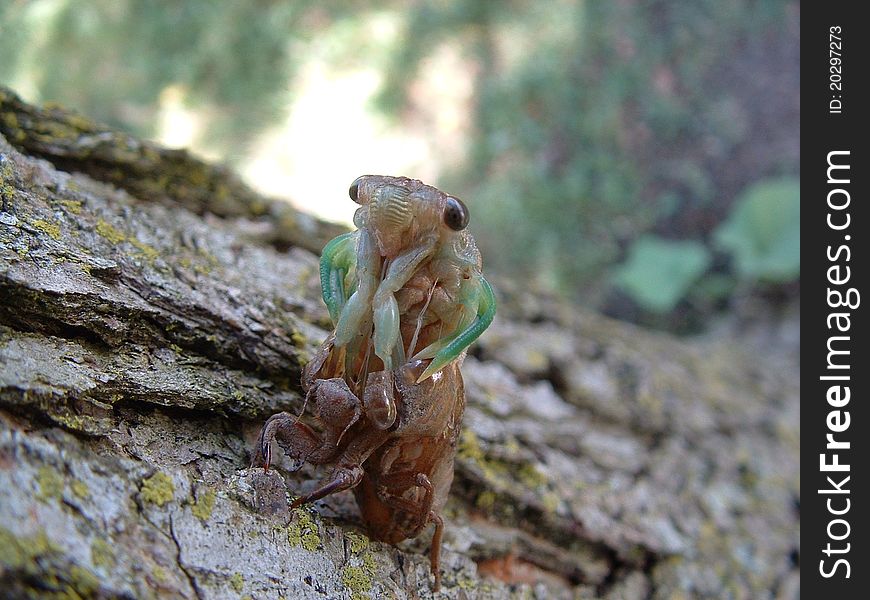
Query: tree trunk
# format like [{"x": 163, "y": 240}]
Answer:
[{"x": 154, "y": 311}]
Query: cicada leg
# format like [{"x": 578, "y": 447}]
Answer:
[
  {"x": 336, "y": 260},
  {"x": 296, "y": 439},
  {"x": 348, "y": 471},
  {"x": 421, "y": 510},
  {"x": 385, "y": 309},
  {"x": 335, "y": 407},
  {"x": 358, "y": 307},
  {"x": 379, "y": 399},
  {"x": 343, "y": 478},
  {"x": 479, "y": 300},
  {"x": 435, "y": 552}
]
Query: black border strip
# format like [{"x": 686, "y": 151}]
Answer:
[{"x": 834, "y": 260}]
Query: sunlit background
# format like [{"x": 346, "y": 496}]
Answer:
[{"x": 636, "y": 157}]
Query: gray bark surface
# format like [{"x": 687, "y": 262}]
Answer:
[{"x": 154, "y": 311}]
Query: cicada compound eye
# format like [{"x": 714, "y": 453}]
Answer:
[
  {"x": 353, "y": 191},
  {"x": 455, "y": 214}
]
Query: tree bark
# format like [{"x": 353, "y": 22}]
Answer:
[{"x": 154, "y": 311}]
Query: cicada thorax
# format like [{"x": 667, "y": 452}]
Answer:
[
  {"x": 427, "y": 311},
  {"x": 391, "y": 209},
  {"x": 390, "y": 216}
]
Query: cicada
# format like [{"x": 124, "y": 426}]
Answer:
[{"x": 384, "y": 392}]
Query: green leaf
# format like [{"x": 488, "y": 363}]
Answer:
[
  {"x": 658, "y": 273},
  {"x": 763, "y": 232}
]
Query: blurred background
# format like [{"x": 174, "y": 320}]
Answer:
[{"x": 636, "y": 157}]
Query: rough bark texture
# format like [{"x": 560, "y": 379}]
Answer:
[{"x": 153, "y": 311}]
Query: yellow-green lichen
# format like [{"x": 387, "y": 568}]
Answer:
[
  {"x": 208, "y": 256},
  {"x": 299, "y": 339},
  {"x": 550, "y": 501},
  {"x": 116, "y": 236},
  {"x": 466, "y": 583},
  {"x": 20, "y": 552},
  {"x": 201, "y": 269},
  {"x": 303, "y": 531},
  {"x": 485, "y": 500},
  {"x": 27, "y": 554},
  {"x": 10, "y": 119},
  {"x": 470, "y": 449},
  {"x": 359, "y": 573},
  {"x": 80, "y": 489},
  {"x": 157, "y": 489},
  {"x": 84, "y": 423},
  {"x": 357, "y": 542},
  {"x": 237, "y": 582},
  {"x": 73, "y": 206},
  {"x": 510, "y": 445},
  {"x": 150, "y": 253},
  {"x": 109, "y": 232},
  {"x": 50, "y": 483},
  {"x": 84, "y": 583},
  {"x": 14, "y": 133},
  {"x": 204, "y": 505},
  {"x": 47, "y": 227},
  {"x": 357, "y": 581},
  {"x": 258, "y": 207},
  {"x": 497, "y": 471},
  {"x": 102, "y": 555},
  {"x": 529, "y": 475},
  {"x": 159, "y": 574},
  {"x": 469, "y": 446}
]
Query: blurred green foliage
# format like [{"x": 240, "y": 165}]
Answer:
[
  {"x": 608, "y": 142},
  {"x": 599, "y": 121},
  {"x": 761, "y": 235},
  {"x": 658, "y": 273},
  {"x": 764, "y": 231}
]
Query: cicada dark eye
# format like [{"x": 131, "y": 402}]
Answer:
[
  {"x": 353, "y": 192},
  {"x": 455, "y": 214}
]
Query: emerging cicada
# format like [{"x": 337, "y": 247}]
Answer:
[{"x": 407, "y": 297}]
